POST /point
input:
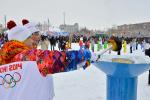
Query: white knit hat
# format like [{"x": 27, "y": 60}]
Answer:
[
  {"x": 30, "y": 26},
  {"x": 17, "y": 32}
]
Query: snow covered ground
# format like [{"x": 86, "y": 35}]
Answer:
[{"x": 90, "y": 84}]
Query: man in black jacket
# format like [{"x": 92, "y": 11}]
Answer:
[{"x": 147, "y": 52}]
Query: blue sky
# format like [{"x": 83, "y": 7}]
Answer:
[{"x": 94, "y": 14}]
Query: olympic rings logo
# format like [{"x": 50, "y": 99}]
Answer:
[{"x": 10, "y": 81}]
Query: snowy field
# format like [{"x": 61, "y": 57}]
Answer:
[{"x": 90, "y": 84}]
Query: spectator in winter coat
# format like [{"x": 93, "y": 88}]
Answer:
[
  {"x": 143, "y": 45},
  {"x": 59, "y": 42},
  {"x": 63, "y": 45},
  {"x": 87, "y": 44},
  {"x": 92, "y": 44},
  {"x": 1, "y": 41},
  {"x": 131, "y": 46},
  {"x": 147, "y": 52},
  {"x": 99, "y": 44},
  {"x": 52, "y": 42},
  {"x": 44, "y": 43},
  {"x": 124, "y": 46},
  {"x": 81, "y": 43}
]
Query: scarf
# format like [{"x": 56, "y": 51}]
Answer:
[{"x": 11, "y": 49}]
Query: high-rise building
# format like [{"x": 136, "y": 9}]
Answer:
[
  {"x": 70, "y": 28},
  {"x": 132, "y": 30}
]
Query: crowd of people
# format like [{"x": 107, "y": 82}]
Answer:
[{"x": 101, "y": 42}]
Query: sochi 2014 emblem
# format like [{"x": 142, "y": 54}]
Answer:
[{"x": 10, "y": 80}]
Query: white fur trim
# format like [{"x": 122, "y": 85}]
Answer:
[
  {"x": 31, "y": 27},
  {"x": 19, "y": 33}
]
